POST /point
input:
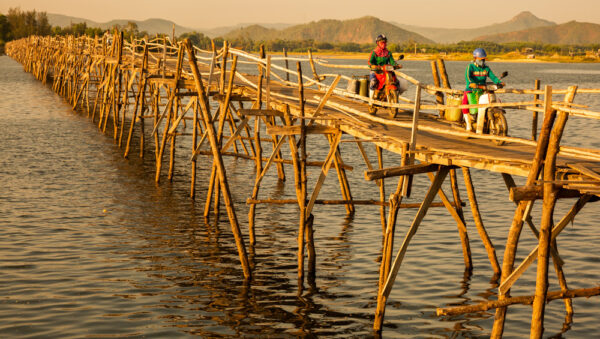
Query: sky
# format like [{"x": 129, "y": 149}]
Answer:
[{"x": 219, "y": 13}]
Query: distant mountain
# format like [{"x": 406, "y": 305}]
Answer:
[
  {"x": 570, "y": 33},
  {"x": 65, "y": 20},
  {"x": 222, "y": 31},
  {"x": 361, "y": 30},
  {"x": 152, "y": 26},
  {"x": 523, "y": 20}
]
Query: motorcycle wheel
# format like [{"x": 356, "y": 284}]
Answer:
[
  {"x": 497, "y": 124},
  {"x": 393, "y": 99}
]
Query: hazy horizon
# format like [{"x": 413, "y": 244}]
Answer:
[{"x": 205, "y": 15}]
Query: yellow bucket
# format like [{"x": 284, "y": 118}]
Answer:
[{"x": 453, "y": 114}]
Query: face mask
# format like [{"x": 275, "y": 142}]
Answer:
[{"x": 480, "y": 62}]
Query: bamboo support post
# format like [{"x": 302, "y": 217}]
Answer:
[
  {"x": 287, "y": 66},
  {"x": 302, "y": 194},
  {"x": 539, "y": 302},
  {"x": 534, "y": 117},
  {"x": 258, "y": 158},
  {"x": 385, "y": 290},
  {"x": 219, "y": 161},
  {"x": 413, "y": 139},
  {"x": 195, "y": 132},
  {"x": 443, "y": 74},
  {"x": 460, "y": 223},
  {"x": 140, "y": 100},
  {"x": 517, "y": 224},
  {"x": 381, "y": 185},
  {"x": 176, "y": 106},
  {"x": 487, "y": 242},
  {"x": 275, "y": 139},
  {"x": 439, "y": 96}
]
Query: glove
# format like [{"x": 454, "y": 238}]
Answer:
[
  {"x": 473, "y": 85},
  {"x": 501, "y": 85}
]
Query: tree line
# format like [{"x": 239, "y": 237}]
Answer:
[{"x": 18, "y": 24}]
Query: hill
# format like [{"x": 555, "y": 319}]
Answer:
[
  {"x": 224, "y": 30},
  {"x": 524, "y": 20},
  {"x": 152, "y": 26},
  {"x": 570, "y": 33},
  {"x": 361, "y": 30}
]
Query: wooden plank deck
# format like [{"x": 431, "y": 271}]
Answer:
[{"x": 439, "y": 148}]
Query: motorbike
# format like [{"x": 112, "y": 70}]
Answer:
[
  {"x": 491, "y": 120},
  {"x": 386, "y": 88}
]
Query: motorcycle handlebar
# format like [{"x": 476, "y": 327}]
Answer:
[{"x": 388, "y": 68}]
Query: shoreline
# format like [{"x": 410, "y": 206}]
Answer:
[{"x": 461, "y": 57}]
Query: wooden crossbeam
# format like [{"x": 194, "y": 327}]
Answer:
[
  {"x": 261, "y": 112},
  {"x": 342, "y": 202},
  {"x": 234, "y": 97},
  {"x": 295, "y": 130},
  {"x": 535, "y": 192},
  {"x": 235, "y": 135},
  {"x": 401, "y": 170},
  {"x": 525, "y": 300}
]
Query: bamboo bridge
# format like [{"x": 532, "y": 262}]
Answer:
[{"x": 153, "y": 89}]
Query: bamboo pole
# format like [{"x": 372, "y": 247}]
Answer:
[
  {"x": 539, "y": 303},
  {"x": 439, "y": 96},
  {"x": 219, "y": 161},
  {"x": 487, "y": 242},
  {"x": 381, "y": 185},
  {"x": 386, "y": 258},
  {"x": 303, "y": 181},
  {"x": 258, "y": 157},
  {"x": 178, "y": 71},
  {"x": 287, "y": 66},
  {"x": 413, "y": 139},
  {"x": 443, "y": 74},
  {"x": 139, "y": 102},
  {"x": 517, "y": 224},
  {"x": 194, "y": 145},
  {"x": 275, "y": 139},
  {"x": 534, "y": 118},
  {"x": 460, "y": 223},
  {"x": 343, "y": 180},
  {"x": 385, "y": 291},
  {"x": 324, "y": 170},
  {"x": 313, "y": 68}
]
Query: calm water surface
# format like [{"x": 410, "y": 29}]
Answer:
[{"x": 90, "y": 246}]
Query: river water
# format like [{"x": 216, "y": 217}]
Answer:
[{"x": 90, "y": 246}]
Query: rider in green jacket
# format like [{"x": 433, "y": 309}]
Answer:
[{"x": 476, "y": 76}]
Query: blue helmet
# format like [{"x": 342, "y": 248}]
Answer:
[{"x": 479, "y": 53}]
